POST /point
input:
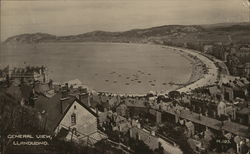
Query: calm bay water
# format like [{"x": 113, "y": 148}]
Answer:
[{"x": 112, "y": 67}]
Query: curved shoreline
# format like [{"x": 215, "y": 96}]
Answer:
[
  {"x": 210, "y": 77},
  {"x": 204, "y": 70},
  {"x": 199, "y": 69}
]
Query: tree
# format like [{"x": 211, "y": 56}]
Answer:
[
  {"x": 8, "y": 80},
  {"x": 160, "y": 149},
  {"x": 174, "y": 94},
  {"x": 15, "y": 119},
  {"x": 139, "y": 146}
]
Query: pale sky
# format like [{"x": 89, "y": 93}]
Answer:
[{"x": 75, "y": 17}]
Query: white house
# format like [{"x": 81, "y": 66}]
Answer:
[
  {"x": 221, "y": 108},
  {"x": 69, "y": 118}
]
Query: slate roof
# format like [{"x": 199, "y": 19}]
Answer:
[
  {"x": 52, "y": 108},
  {"x": 26, "y": 91},
  {"x": 63, "y": 133},
  {"x": 131, "y": 102},
  {"x": 214, "y": 90},
  {"x": 94, "y": 100},
  {"x": 244, "y": 111},
  {"x": 41, "y": 88},
  {"x": 121, "y": 106},
  {"x": 229, "y": 126},
  {"x": 20, "y": 92},
  {"x": 189, "y": 124},
  {"x": 146, "y": 137},
  {"x": 120, "y": 119},
  {"x": 15, "y": 92}
]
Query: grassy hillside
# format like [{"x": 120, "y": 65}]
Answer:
[{"x": 225, "y": 33}]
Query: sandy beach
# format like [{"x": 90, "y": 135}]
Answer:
[{"x": 204, "y": 70}]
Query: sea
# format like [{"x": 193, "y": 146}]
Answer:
[{"x": 121, "y": 68}]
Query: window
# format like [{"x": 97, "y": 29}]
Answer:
[{"x": 73, "y": 119}]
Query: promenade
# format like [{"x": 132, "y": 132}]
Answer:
[{"x": 209, "y": 78}]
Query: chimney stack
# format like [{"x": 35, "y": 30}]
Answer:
[
  {"x": 152, "y": 132},
  {"x": 199, "y": 117},
  {"x": 96, "y": 110},
  {"x": 84, "y": 98},
  {"x": 83, "y": 90},
  {"x": 138, "y": 125},
  {"x": 63, "y": 98},
  {"x": 32, "y": 98},
  {"x": 40, "y": 71},
  {"x": 67, "y": 87}
]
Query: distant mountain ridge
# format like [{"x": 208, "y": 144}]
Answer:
[{"x": 179, "y": 33}]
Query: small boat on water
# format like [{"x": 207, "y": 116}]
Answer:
[
  {"x": 112, "y": 72},
  {"x": 107, "y": 80},
  {"x": 171, "y": 83}
]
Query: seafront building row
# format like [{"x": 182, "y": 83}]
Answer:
[{"x": 209, "y": 110}]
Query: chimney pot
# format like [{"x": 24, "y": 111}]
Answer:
[
  {"x": 138, "y": 125},
  {"x": 96, "y": 110},
  {"x": 153, "y": 133},
  {"x": 66, "y": 86},
  {"x": 64, "y": 94}
]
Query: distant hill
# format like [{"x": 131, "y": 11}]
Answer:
[
  {"x": 228, "y": 24},
  {"x": 30, "y": 38},
  {"x": 238, "y": 33}
]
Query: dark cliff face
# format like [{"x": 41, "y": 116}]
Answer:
[{"x": 180, "y": 33}]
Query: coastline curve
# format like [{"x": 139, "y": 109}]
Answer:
[{"x": 209, "y": 78}]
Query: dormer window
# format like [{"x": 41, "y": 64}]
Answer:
[{"x": 73, "y": 119}]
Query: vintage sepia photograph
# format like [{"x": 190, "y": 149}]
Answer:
[{"x": 124, "y": 76}]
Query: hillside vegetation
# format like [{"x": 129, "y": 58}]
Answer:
[{"x": 237, "y": 33}]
